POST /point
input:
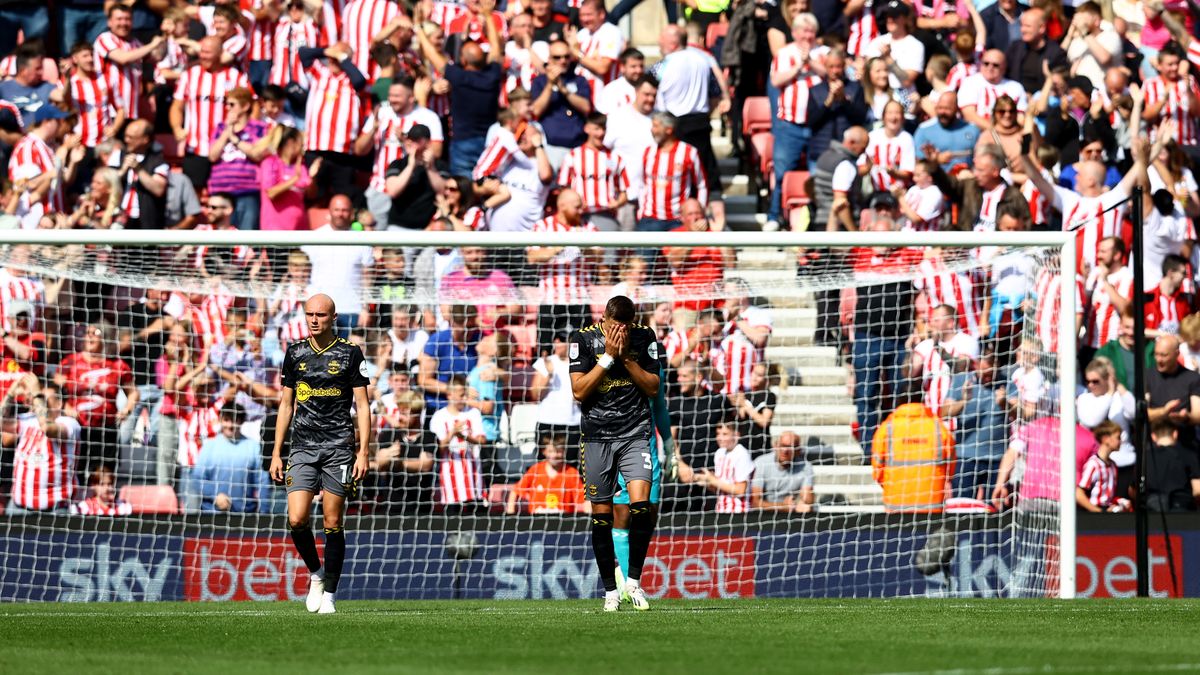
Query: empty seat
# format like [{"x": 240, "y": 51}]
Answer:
[
  {"x": 317, "y": 218},
  {"x": 756, "y": 115},
  {"x": 151, "y": 498},
  {"x": 522, "y": 423},
  {"x": 794, "y": 192}
]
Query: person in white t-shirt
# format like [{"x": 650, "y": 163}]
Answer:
[
  {"x": 732, "y": 471},
  {"x": 620, "y": 92},
  {"x": 343, "y": 272},
  {"x": 557, "y": 409},
  {"x": 923, "y": 204},
  {"x": 1092, "y": 45},
  {"x": 945, "y": 352},
  {"x": 903, "y": 53}
]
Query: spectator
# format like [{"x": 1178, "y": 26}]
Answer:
[
  {"x": 1172, "y": 472},
  {"x": 387, "y": 132},
  {"x": 561, "y": 102},
  {"x": 903, "y": 53},
  {"x": 1166, "y": 305},
  {"x": 199, "y": 108},
  {"x": 982, "y": 195},
  {"x": 835, "y": 105},
  {"x": 565, "y": 273},
  {"x": 550, "y": 486},
  {"x": 698, "y": 343},
  {"x": 598, "y": 175},
  {"x": 836, "y": 179},
  {"x": 119, "y": 56},
  {"x": 1119, "y": 352},
  {"x": 19, "y": 342},
  {"x": 284, "y": 180},
  {"x": 557, "y": 409},
  {"x": 102, "y": 499},
  {"x": 487, "y": 383},
  {"x": 630, "y": 134},
  {"x": 235, "y": 152},
  {"x": 229, "y": 471},
  {"x": 90, "y": 379},
  {"x": 756, "y": 409},
  {"x": 405, "y": 459},
  {"x": 1096, "y": 489},
  {"x": 496, "y": 299},
  {"x": 947, "y": 138},
  {"x": 1109, "y": 288},
  {"x": 1107, "y": 399},
  {"x": 938, "y": 358},
  {"x": 182, "y": 205},
  {"x": 976, "y": 407},
  {"x": 621, "y": 92},
  {"x": 144, "y": 172},
  {"x": 413, "y": 183},
  {"x": 783, "y": 482},
  {"x": 45, "y": 160},
  {"x": 922, "y": 204},
  {"x": 517, "y": 157},
  {"x": 448, "y": 352},
  {"x": 89, "y": 94},
  {"x": 1174, "y": 391},
  {"x": 44, "y": 462},
  {"x": 1025, "y": 58},
  {"x": 142, "y": 330},
  {"x": 459, "y": 431},
  {"x": 548, "y": 25},
  {"x": 475, "y": 83},
  {"x": 792, "y": 71},
  {"x": 979, "y": 93},
  {"x": 912, "y": 456},
  {"x": 28, "y": 90},
  {"x": 361, "y": 22},
  {"x": 347, "y": 271},
  {"x": 1189, "y": 338},
  {"x": 694, "y": 413},
  {"x": 742, "y": 349},
  {"x": 890, "y": 153},
  {"x": 333, "y": 116},
  {"x": 671, "y": 173},
  {"x": 1092, "y": 46},
  {"x": 731, "y": 474},
  {"x": 1002, "y": 21},
  {"x": 696, "y": 272}
]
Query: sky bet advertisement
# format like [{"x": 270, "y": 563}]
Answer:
[{"x": 879, "y": 562}]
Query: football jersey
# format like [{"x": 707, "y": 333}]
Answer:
[
  {"x": 617, "y": 409},
  {"x": 324, "y": 382}
]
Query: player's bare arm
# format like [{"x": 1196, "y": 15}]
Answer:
[
  {"x": 362, "y": 408},
  {"x": 286, "y": 400}
]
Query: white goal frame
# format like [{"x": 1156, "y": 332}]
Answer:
[{"x": 1065, "y": 242}]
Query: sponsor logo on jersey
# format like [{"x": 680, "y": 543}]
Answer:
[
  {"x": 609, "y": 383},
  {"x": 305, "y": 391}
]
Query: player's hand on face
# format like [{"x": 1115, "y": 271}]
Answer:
[
  {"x": 276, "y": 470},
  {"x": 611, "y": 346}
]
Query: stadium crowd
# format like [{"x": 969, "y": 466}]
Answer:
[{"x": 465, "y": 116}]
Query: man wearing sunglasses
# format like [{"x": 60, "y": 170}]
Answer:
[
  {"x": 978, "y": 94},
  {"x": 562, "y": 99}
]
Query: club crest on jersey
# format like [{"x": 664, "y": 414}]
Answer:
[
  {"x": 334, "y": 368},
  {"x": 573, "y": 352}
]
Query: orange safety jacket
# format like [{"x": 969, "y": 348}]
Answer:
[{"x": 912, "y": 456}]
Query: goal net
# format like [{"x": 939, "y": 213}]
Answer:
[{"x": 845, "y": 420}]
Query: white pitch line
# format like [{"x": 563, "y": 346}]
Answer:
[{"x": 1035, "y": 670}]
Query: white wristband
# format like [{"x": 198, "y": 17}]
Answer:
[{"x": 605, "y": 361}]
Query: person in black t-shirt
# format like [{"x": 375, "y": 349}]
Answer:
[
  {"x": 404, "y": 459},
  {"x": 1174, "y": 391},
  {"x": 413, "y": 182},
  {"x": 322, "y": 378},
  {"x": 614, "y": 374},
  {"x": 695, "y": 413},
  {"x": 143, "y": 329},
  {"x": 1172, "y": 472}
]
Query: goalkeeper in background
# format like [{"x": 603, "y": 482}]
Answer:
[
  {"x": 662, "y": 425},
  {"x": 322, "y": 378},
  {"x": 614, "y": 374}
]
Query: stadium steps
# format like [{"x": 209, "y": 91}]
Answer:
[
  {"x": 792, "y": 317},
  {"x": 853, "y": 484},
  {"x": 775, "y": 259},
  {"x": 800, "y": 357},
  {"x": 810, "y": 395},
  {"x": 820, "y": 376},
  {"x": 823, "y": 413}
]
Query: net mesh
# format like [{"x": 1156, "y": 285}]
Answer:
[{"x": 894, "y": 420}]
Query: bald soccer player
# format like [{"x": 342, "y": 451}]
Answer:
[{"x": 323, "y": 377}]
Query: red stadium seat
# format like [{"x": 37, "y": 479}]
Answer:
[
  {"x": 756, "y": 115},
  {"x": 794, "y": 194},
  {"x": 716, "y": 31},
  {"x": 151, "y": 498},
  {"x": 762, "y": 145},
  {"x": 317, "y": 218}
]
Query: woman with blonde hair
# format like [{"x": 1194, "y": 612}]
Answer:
[{"x": 100, "y": 208}]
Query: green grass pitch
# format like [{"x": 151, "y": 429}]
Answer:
[{"x": 989, "y": 637}]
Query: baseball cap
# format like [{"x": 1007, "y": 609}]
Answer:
[
  {"x": 895, "y": 8},
  {"x": 49, "y": 112},
  {"x": 19, "y": 307},
  {"x": 419, "y": 132},
  {"x": 756, "y": 317}
]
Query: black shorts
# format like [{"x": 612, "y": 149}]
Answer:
[
  {"x": 603, "y": 460},
  {"x": 316, "y": 470}
]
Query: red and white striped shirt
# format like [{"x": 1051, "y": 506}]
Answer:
[
  {"x": 174, "y": 60},
  {"x": 936, "y": 373},
  {"x": 977, "y": 91},
  {"x": 1093, "y": 219},
  {"x": 446, "y": 13},
  {"x": 863, "y": 30},
  {"x": 958, "y": 74},
  {"x": 14, "y": 288},
  {"x": 331, "y": 22},
  {"x": 1048, "y": 295},
  {"x": 471, "y": 26},
  {"x": 670, "y": 177},
  {"x": 362, "y": 20},
  {"x": 608, "y": 42},
  {"x": 93, "y": 100},
  {"x": 929, "y": 204},
  {"x": 735, "y": 361},
  {"x": 197, "y": 424},
  {"x": 124, "y": 81},
  {"x": 888, "y": 152},
  {"x": 1099, "y": 480},
  {"x": 388, "y": 125},
  {"x": 1165, "y": 312},
  {"x": 288, "y": 318},
  {"x": 988, "y": 207},
  {"x": 734, "y": 466},
  {"x": 207, "y": 318},
  {"x": 1104, "y": 320},
  {"x": 597, "y": 175},
  {"x": 203, "y": 95},
  {"x": 460, "y": 475},
  {"x": 94, "y": 507},
  {"x": 944, "y": 286},
  {"x": 262, "y": 36},
  {"x": 334, "y": 111},
  {"x": 1038, "y": 204},
  {"x": 519, "y": 67},
  {"x": 564, "y": 279},
  {"x": 1178, "y": 100},
  {"x": 688, "y": 343},
  {"x": 32, "y": 157},
  {"x": 289, "y": 38},
  {"x": 793, "y": 98},
  {"x": 44, "y": 467}
]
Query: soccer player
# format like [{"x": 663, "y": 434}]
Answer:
[
  {"x": 614, "y": 374},
  {"x": 662, "y": 425},
  {"x": 322, "y": 377}
]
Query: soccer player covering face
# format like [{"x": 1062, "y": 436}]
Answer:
[
  {"x": 323, "y": 377},
  {"x": 614, "y": 375}
]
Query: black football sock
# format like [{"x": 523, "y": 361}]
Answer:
[
  {"x": 641, "y": 529},
  {"x": 335, "y": 555},
  {"x": 306, "y": 546},
  {"x": 602, "y": 545}
]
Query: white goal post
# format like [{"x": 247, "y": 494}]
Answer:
[{"x": 1058, "y": 532}]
